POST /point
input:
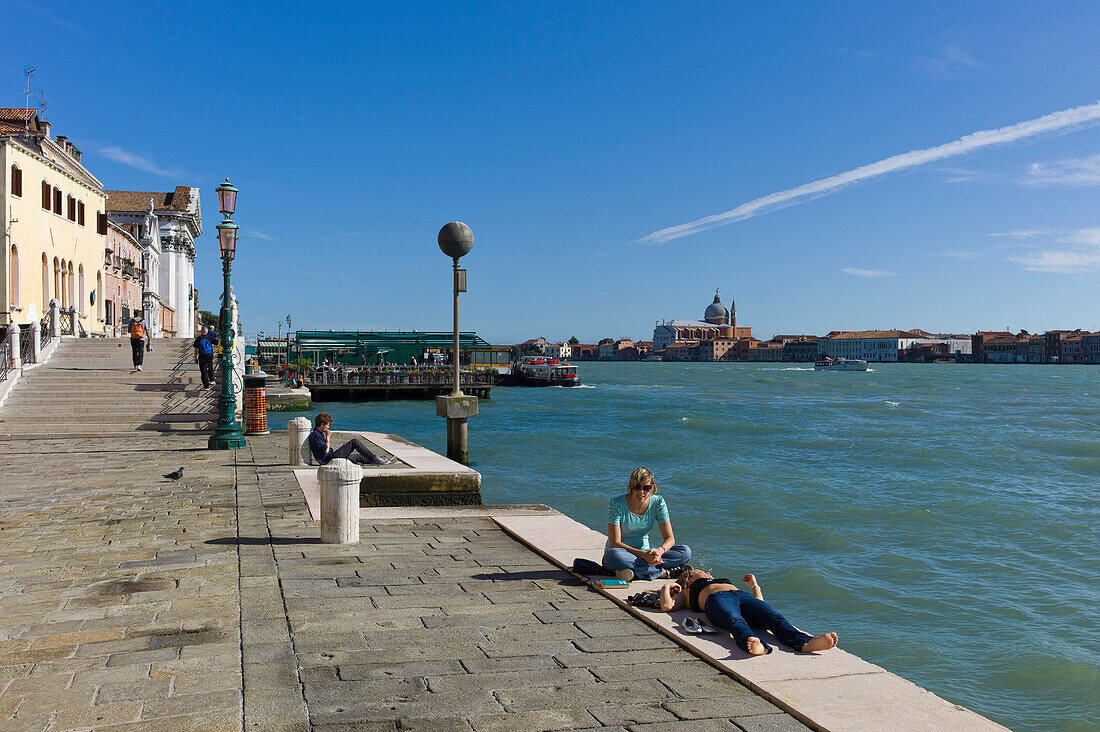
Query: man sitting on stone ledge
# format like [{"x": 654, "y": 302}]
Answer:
[{"x": 354, "y": 449}]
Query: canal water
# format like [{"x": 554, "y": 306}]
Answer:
[{"x": 943, "y": 519}]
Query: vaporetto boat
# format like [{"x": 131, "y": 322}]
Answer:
[{"x": 542, "y": 371}]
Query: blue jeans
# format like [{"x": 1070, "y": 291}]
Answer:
[
  {"x": 616, "y": 559},
  {"x": 735, "y": 611}
]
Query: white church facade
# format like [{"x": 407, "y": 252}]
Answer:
[{"x": 166, "y": 225}]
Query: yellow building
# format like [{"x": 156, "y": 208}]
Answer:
[{"x": 53, "y": 224}]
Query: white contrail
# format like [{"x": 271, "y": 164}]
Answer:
[{"x": 1064, "y": 121}]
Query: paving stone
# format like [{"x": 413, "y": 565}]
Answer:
[
  {"x": 100, "y": 715},
  {"x": 647, "y": 641},
  {"x": 770, "y": 723},
  {"x": 632, "y": 714},
  {"x": 567, "y": 696},
  {"x": 188, "y": 703},
  {"x": 399, "y": 670},
  {"x": 695, "y": 725},
  {"x": 509, "y": 680},
  {"x": 542, "y": 721},
  {"x": 717, "y": 686},
  {"x": 479, "y": 664},
  {"x": 679, "y": 670},
  {"x": 741, "y": 705}
]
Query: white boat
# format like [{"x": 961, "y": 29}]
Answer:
[
  {"x": 540, "y": 371},
  {"x": 840, "y": 364}
]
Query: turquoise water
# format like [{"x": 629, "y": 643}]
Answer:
[{"x": 941, "y": 518}]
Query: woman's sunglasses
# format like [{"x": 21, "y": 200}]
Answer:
[{"x": 645, "y": 488}]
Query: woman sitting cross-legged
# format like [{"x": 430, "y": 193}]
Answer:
[
  {"x": 630, "y": 518},
  {"x": 735, "y": 611}
]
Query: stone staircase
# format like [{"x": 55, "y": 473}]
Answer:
[{"x": 86, "y": 389}]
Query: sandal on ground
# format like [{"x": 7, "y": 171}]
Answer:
[{"x": 692, "y": 626}]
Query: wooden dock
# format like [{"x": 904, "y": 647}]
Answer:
[{"x": 354, "y": 385}]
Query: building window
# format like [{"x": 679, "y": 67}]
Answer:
[
  {"x": 16, "y": 181},
  {"x": 57, "y": 200},
  {"x": 45, "y": 284},
  {"x": 13, "y": 280},
  {"x": 46, "y": 195},
  {"x": 70, "y": 208},
  {"x": 80, "y": 212},
  {"x": 101, "y": 223},
  {"x": 80, "y": 281}
]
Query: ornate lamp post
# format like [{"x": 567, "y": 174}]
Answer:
[
  {"x": 227, "y": 435},
  {"x": 455, "y": 240}
]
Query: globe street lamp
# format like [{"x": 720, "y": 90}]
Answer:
[
  {"x": 456, "y": 240},
  {"x": 227, "y": 435}
]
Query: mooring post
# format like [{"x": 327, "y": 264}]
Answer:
[{"x": 339, "y": 481}]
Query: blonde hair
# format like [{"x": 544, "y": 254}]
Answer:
[{"x": 639, "y": 476}]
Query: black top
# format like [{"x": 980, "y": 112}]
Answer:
[{"x": 697, "y": 586}]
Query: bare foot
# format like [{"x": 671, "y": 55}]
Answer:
[
  {"x": 821, "y": 643},
  {"x": 756, "y": 648}
]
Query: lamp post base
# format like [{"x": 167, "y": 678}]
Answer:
[
  {"x": 457, "y": 408},
  {"x": 225, "y": 442}
]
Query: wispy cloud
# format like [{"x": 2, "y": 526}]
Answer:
[
  {"x": 253, "y": 234},
  {"x": 951, "y": 63},
  {"x": 961, "y": 253},
  {"x": 1064, "y": 121},
  {"x": 1073, "y": 172},
  {"x": 1073, "y": 252},
  {"x": 869, "y": 273},
  {"x": 1024, "y": 234},
  {"x": 140, "y": 162}
]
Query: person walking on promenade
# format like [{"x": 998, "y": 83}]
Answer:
[
  {"x": 353, "y": 450},
  {"x": 204, "y": 354},
  {"x": 736, "y": 611},
  {"x": 630, "y": 519},
  {"x": 139, "y": 333}
]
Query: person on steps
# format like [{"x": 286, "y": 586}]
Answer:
[
  {"x": 204, "y": 355},
  {"x": 139, "y": 332},
  {"x": 738, "y": 612},
  {"x": 353, "y": 450},
  {"x": 630, "y": 520}
]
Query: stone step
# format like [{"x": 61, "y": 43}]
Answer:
[
  {"x": 204, "y": 419},
  {"x": 93, "y": 429}
]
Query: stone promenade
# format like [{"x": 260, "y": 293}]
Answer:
[{"x": 133, "y": 602}]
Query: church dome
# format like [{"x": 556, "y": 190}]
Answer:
[{"x": 716, "y": 312}]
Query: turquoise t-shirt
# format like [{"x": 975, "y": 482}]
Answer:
[{"x": 635, "y": 529}]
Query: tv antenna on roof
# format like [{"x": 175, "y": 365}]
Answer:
[{"x": 27, "y": 70}]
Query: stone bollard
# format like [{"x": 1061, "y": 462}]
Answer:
[
  {"x": 299, "y": 429},
  {"x": 55, "y": 320},
  {"x": 339, "y": 481},
  {"x": 36, "y": 339}
]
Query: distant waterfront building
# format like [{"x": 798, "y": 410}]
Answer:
[
  {"x": 708, "y": 339},
  {"x": 1090, "y": 347},
  {"x": 558, "y": 350},
  {"x": 886, "y": 346},
  {"x": 123, "y": 280},
  {"x": 53, "y": 224},
  {"x": 532, "y": 346},
  {"x": 166, "y": 226}
]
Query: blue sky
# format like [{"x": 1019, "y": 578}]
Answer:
[{"x": 568, "y": 135}]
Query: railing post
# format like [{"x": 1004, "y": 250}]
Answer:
[
  {"x": 13, "y": 336},
  {"x": 55, "y": 319},
  {"x": 36, "y": 340}
]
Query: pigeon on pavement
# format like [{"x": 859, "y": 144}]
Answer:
[{"x": 176, "y": 475}]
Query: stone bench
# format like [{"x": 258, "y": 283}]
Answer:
[{"x": 416, "y": 477}]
